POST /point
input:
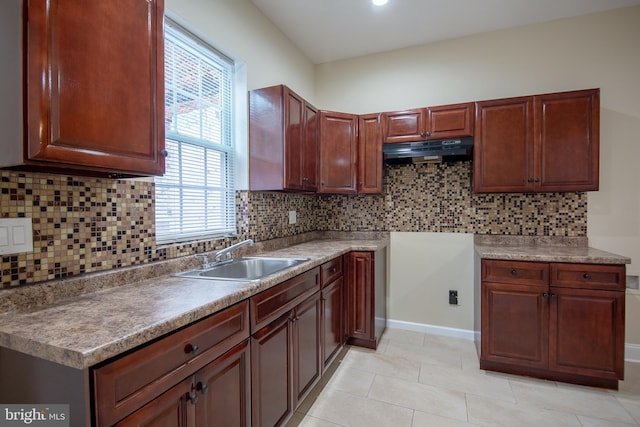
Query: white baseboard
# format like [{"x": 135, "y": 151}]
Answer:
[
  {"x": 631, "y": 351},
  {"x": 432, "y": 329}
]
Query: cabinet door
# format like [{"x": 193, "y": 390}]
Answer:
[
  {"x": 173, "y": 408},
  {"x": 587, "y": 332},
  {"x": 514, "y": 325},
  {"x": 224, "y": 390},
  {"x": 310, "y": 149},
  {"x": 450, "y": 121},
  {"x": 503, "y": 146},
  {"x": 338, "y": 152},
  {"x": 293, "y": 139},
  {"x": 306, "y": 346},
  {"x": 360, "y": 300},
  {"x": 404, "y": 126},
  {"x": 96, "y": 102},
  {"x": 568, "y": 125},
  {"x": 271, "y": 359},
  {"x": 332, "y": 321},
  {"x": 370, "y": 154}
]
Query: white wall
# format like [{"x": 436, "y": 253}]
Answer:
[
  {"x": 598, "y": 50},
  {"x": 241, "y": 31}
]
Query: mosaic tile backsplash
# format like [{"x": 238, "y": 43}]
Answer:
[{"x": 84, "y": 225}]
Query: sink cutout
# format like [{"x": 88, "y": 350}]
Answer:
[{"x": 244, "y": 269}]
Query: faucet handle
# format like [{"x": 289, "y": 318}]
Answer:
[{"x": 205, "y": 260}]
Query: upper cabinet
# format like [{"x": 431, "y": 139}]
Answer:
[
  {"x": 338, "y": 134},
  {"x": 350, "y": 153},
  {"x": 94, "y": 88},
  {"x": 542, "y": 143},
  {"x": 370, "y": 168},
  {"x": 283, "y": 147},
  {"x": 420, "y": 124}
]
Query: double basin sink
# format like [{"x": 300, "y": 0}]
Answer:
[{"x": 243, "y": 269}]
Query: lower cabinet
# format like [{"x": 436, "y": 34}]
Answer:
[
  {"x": 217, "y": 395},
  {"x": 366, "y": 298},
  {"x": 558, "y": 321},
  {"x": 196, "y": 376},
  {"x": 252, "y": 363},
  {"x": 285, "y": 347}
]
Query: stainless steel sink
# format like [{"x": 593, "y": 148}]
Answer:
[{"x": 244, "y": 269}]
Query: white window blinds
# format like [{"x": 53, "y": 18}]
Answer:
[{"x": 196, "y": 197}]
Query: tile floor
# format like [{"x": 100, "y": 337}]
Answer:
[{"x": 419, "y": 380}]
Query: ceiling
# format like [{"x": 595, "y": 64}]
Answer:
[{"x": 329, "y": 30}]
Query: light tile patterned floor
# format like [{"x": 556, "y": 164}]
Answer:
[{"x": 420, "y": 380}]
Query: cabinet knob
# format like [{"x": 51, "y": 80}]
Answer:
[
  {"x": 193, "y": 349},
  {"x": 514, "y": 272},
  {"x": 193, "y": 398},
  {"x": 204, "y": 388},
  {"x": 586, "y": 276},
  {"x": 164, "y": 153}
]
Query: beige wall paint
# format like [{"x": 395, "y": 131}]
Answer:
[
  {"x": 241, "y": 31},
  {"x": 598, "y": 50},
  {"x": 424, "y": 267}
]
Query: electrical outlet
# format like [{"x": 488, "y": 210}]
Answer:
[
  {"x": 453, "y": 297},
  {"x": 292, "y": 217}
]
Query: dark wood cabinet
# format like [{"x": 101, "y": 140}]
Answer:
[
  {"x": 285, "y": 347},
  {"x": 332, "y": 308},
  {"x": 366, "y": 309},
  {"x": 271, "y": 376},
  {"x": 92, "y": 105},
  {"x": 338, "y": 134},
  {"x": 541, "y": 143},
  {"x": 136, "y": 384},
  {"x": 217, "y": 395},
  {"x": 370, "y": 168},
  {"x": 172, "y": 408},
  {"x": 420, "y": 124},
  {"x": 283, "y": 140},
  {"x": 307, "y": 366},
  {"x": 224, "y": 390},
  {"x": 558, "y": 321}
]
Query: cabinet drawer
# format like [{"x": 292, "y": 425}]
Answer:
[
  {"x": 530, "y": 273},
  {"x": 330, "y": 271},
  {"x": 127, "y": 383},
  {"x": 589, "y": 276},
  {"x": 273, "y": 302}
]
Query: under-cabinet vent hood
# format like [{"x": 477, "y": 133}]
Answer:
[{"x": 445, "y": 150}]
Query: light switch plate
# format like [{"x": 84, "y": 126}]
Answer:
[{"x": 16, "y": 235}]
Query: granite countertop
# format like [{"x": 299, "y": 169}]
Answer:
[
  {"x": 568, "y": 250},
  {"x": 84, "y": 330}
]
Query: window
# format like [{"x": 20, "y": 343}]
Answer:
[{"x": 196, "y": 197}]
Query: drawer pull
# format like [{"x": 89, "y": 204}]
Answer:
[
  {"x": 586, "y": 276},
  {"x": 193, "y": 349},
  {"x": 514, "y": 272}
]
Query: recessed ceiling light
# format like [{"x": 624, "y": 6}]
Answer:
[{"x": 379, "y": 2}]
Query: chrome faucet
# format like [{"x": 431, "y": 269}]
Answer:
[{"x": 225, "y": 254}]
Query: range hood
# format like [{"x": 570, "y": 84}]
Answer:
[{"x": 445, "y": 150}]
